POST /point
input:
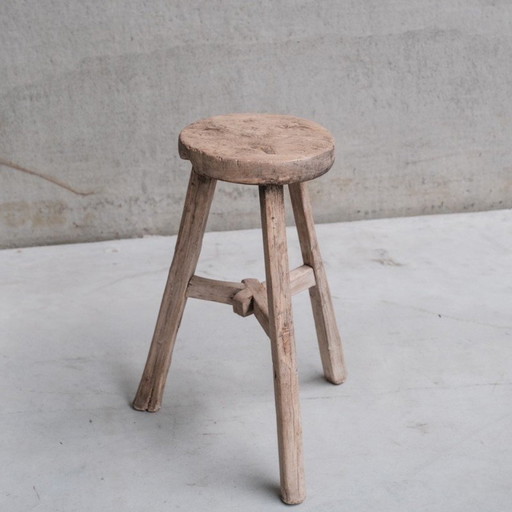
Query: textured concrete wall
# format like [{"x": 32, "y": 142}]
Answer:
[{"x": 94, "y": 93}]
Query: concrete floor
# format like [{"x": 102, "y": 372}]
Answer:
[{"x": 424, "y": 422}]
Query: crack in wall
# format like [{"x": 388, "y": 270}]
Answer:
[{"x": 50, "y": 179}]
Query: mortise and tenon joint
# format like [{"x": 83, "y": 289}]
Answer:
[{"x": 250, "y": 296}]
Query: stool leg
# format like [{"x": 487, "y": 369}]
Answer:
[
  {"x": 329, "y": 340},
  {"x": 186, "y": 253},
  {"x": 286, "y": 382}
]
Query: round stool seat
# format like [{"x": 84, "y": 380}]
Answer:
[{"x": 258, "y": 149}]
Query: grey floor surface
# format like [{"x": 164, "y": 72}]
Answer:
[{"x": 423, "y": 423}]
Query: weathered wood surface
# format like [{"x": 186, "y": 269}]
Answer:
[
  {"x": 259, "y": 302},
  {"x": 329, "y": 340},
  {"x": 268, "y": 150},
  {"x": 250, "y": 296},
  {"x": 186, "y": 253},
  {"x": 258, "y": 148},
  {"x": 213, "y": 290},
  {"x": 286, "y": 382},
  {"x": 301, "y": 278}
]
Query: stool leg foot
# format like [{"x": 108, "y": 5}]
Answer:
[
  {"x": 329, "y": 340},
  {"x": 186, "y": 254},
  {"x": 286, "y": 382}
]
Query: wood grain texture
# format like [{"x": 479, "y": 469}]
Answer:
[
  {"x": 186, "y": 253},
  {"x": 259, "y": 302},
  {"x": 301, "y": 278},
  {"x": 286, "y": 382},
  {"x": 213, "y": 290},
  {"x": 329, "y": 340},
  {"x": 267, "y": 150},
  {"x": 258, "y": 149}
]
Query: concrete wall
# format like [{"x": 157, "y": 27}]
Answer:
[{"x": 418, "y": 94}]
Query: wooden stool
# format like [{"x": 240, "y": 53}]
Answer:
[{"x": 269, "y": 151}]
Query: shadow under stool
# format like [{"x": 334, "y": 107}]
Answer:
[{"x": 269, "y": 151}]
